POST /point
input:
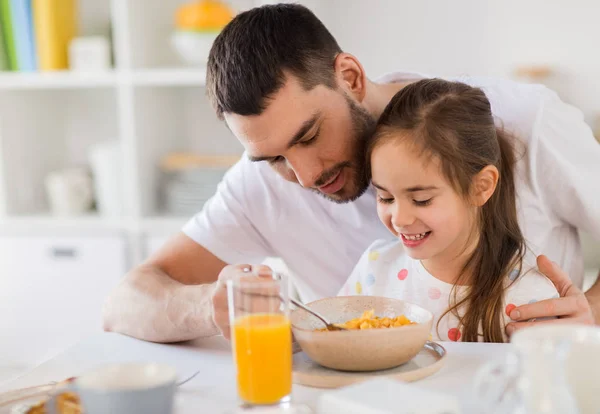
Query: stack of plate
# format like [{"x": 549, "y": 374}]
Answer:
[{"x": 190, "y": 181}]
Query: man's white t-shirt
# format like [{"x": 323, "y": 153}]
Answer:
[
  {"x": 257, "y": 214},
  {"x": 386, "y": 270}
]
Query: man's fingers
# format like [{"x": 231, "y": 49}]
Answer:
[
  {"x": 231, "y": 271},
  {"x": 557, "y": 276},
  {"x": 246, "y": 298},
  {"x": 222, "y": 321},
  {"x": 566, "y": 306},
  {"x": 515, "y": 326}
]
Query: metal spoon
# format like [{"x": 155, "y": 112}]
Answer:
[
  {"x": 187, "y": 379},
  {"x": 328, "y": 325}
]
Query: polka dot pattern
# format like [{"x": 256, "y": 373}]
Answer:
[
  {"x": 358, "y": 288},
  {"x": 532, "y": 301},
  {"x": 509, "y": 309},
  {"x": 402, "y": 274},
  {"x": 370, "y": 279},
  {"x": 373, "y": 255},
  {"x": 434, "y": 293},
  {"x": 513, "y": 275},
  {"x": 454, "y": 334}
]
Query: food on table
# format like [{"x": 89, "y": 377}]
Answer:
[
  {"x": 66, "y": 403},
  {"x": 368, "y": 320}
]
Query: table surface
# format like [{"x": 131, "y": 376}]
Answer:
[{"x": 213, "y": 389}]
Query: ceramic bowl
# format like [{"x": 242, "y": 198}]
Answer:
[
  {"x": 193, "y": 47},
  {"x": 361, "y": 350}
]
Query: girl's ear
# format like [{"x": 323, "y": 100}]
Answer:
[{"x": 484, "y": 184}]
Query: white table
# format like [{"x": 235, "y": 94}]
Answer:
[{"x": 213, "y": 389}]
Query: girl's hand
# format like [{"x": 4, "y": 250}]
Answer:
[{"x": 571, "y": 307}]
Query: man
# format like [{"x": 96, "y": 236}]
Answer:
[{"x": 303, "y": 110}]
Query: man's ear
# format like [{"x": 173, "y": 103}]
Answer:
[
  {"x": 484, "y": 184},
  {"x": 351, "y": 75}
]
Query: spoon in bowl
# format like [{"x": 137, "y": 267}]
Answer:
[{"x": 328, "y": 325}]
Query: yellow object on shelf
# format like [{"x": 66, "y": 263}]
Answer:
[
  {"x": 204, "y": 15},
  {"x": 181, "y": 161},
  {"x": 55, "y": 25}
]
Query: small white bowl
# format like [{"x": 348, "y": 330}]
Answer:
[{"x": 193, "y": 47}]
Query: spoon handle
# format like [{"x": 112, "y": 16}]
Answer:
[{"x": 306, "y": 308}]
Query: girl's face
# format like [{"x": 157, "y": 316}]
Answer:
[{"x": 418, "y": 205}]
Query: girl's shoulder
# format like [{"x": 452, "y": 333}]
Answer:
[
  {"x": 529, "y": 285},
  {"x": 385, "y": 245},
  {"x": 385, "y": 249}
]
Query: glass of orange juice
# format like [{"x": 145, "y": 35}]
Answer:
[{"x": 261, "y": 337}]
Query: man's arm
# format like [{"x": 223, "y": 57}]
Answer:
[
  {"x": 168, "y": 298},
  {"x": 175, "y": 295}
]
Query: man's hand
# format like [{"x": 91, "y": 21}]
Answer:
[
  {"x": 571, "y": 307},
  {"x": 220, "y": 307}
]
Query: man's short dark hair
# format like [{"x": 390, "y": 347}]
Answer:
[{"x": 250, "y": 58}]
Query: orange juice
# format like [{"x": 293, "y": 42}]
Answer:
[{"x": 263, "y": 353}]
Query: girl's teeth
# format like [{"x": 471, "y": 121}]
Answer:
[{"x": 415, "y": 236}]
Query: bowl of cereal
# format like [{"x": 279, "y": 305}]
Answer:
[{"x": 380, "y": 333}]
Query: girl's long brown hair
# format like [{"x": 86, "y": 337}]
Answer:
[{"x": 453, "y": 122}]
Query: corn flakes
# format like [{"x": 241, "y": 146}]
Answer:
[
  {"x": 66, "y": 403},
  {"x": 368, "y": 320}
]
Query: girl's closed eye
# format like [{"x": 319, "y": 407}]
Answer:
[
  {"x": 423, "y": 203},
  {"x": 385, "y": 200}
]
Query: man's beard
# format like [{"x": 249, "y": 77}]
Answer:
[{"x": 357, "y": 181}]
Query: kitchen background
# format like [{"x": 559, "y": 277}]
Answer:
[{"x": 108, "y": 144}]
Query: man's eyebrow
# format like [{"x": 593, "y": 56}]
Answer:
[{"x": 301, "y": 133}]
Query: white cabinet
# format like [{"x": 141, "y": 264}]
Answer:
[{"x": 51, "y": 292}]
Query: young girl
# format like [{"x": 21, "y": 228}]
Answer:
[{"x": 444, "y": 176}]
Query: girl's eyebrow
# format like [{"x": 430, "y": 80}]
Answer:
[
  {"x": 408, "y": 190},
  {"x": 378, "y": 186},
  {"x": 420, "y": 188}
]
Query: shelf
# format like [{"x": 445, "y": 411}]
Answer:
[
  {"x": 81, "y": 80},
  {"x": 46, "y": 222},
  {"x": 169, "y": 77},
  {"x": 35, "y": 223},
  {"x": 57, "y": 80}
]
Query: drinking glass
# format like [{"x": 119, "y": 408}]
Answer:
[{"x": 261, "y": 337}]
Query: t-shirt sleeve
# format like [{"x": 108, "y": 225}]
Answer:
[
  {"x": 229, "y": 224},
  {"x": 567, "y": 165}
]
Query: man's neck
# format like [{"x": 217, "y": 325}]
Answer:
[{"x": 378, "y": 95}]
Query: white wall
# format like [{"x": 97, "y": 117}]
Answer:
[
  {"x": 476, "y": 37},
  {"x": 479, "y": 37}
]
